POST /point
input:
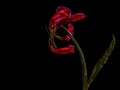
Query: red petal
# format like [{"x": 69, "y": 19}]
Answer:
[
  {"x": 57, "y": 19},
  {"x": 67, "y": 38},
  {"x": 63, "y": 50},
  {"x": 63, "y": 9},
  {"x": 61, "y": 14},
  {"x": 78, "y": 16},
  {"x": 71, "y": 29}
]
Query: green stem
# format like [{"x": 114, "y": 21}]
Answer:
[{"x": 82, "y": 59}]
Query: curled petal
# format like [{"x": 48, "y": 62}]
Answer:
[
  {"x": 71, "y": 30},
  {"x": 63, "y": 50},
  {"x": 63, "y": 9},
  {"x": 78, "y": 16},
  {"x": 55, "y": 20},
  {"x": 61, "y": 17}
]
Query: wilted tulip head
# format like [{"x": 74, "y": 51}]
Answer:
[{"x": 63, "y": 16}]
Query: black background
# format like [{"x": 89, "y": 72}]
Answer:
[{"x": 37, "y": 67}]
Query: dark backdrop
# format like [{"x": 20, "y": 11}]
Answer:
[{"x": 38, "y": 67}]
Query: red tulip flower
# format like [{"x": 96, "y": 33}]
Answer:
[{"x": 63, "y": 16}]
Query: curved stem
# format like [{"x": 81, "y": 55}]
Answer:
[{"x": 82, "y": 60}]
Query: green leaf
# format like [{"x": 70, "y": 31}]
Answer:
[{"x": 102, "y": 61}]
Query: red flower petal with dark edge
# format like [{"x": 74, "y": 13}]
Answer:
[
  {"x": 61, "y": 14},
  {"x": 71, "y": 30},
  {"x": 63, "y": 9},
  {"x": 63, "y": 50},
  {"x": 77, "y": 16},
  {"x": 55, "y": 20}
]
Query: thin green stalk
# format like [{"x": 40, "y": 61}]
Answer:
[{"x": 82, "y": 59}]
